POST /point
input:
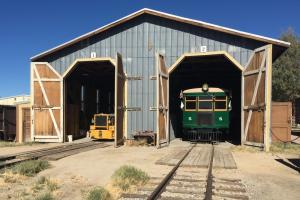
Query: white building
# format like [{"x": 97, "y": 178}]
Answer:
[{"x": 14, "y": 100}]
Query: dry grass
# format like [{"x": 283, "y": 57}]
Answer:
[
  {"x": 98, "y": 193},
  {"x": 245, "y": 148},
  {"x": 276, "y": 147},
  {"x": 17, "y": 182},
  {"x": 15, "y": 144},
  {"x": 128, "y": 177},
  {"x": 45, "y": 196},
  {"x": 287, "y": 148},
  {"x": 30, "y": 167},
  {"x": 8, "y": 177},
  {"x": 135, "y": 143},
  {"x": 45, "y": 183}
]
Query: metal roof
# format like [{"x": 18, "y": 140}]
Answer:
[{"x": 167, "y": 16}]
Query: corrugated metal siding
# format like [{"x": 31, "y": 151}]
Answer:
[{"x": 137, "y": 41}]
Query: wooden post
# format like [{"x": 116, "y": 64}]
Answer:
[
  {"x": 31, "y": 100},
  {"x": 267, "y": 135}
]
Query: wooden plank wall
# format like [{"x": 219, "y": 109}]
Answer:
[
  {"x": 281, "y": 121},
  {"x": 46, "y": 100},
  {"x": 163, "y": 100},
  {"x": 23, "y": 123},
  {"x": 7, "y": 122},
  {"x": 256, "y": 125},
  {"x": 120, "y": 79}
]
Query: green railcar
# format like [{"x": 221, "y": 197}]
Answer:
[{"x": 206, "y": 113}]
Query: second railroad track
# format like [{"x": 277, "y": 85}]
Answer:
[{"x": 51, "y": 153}]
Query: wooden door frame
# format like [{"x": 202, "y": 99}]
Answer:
[
  {"x": 69, "y": 71},
  {"x": 210, "y": 53},
  {"x": 216, "y": 53}
]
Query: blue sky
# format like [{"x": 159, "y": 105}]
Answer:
[{"x": 32, "y": 26}]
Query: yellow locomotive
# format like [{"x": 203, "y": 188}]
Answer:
[{"x": 103, "y": 126}]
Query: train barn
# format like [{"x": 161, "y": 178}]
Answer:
[{"x": 136, "y": 68}]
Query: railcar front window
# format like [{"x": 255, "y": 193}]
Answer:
[
  {"x": 205, "y": 103},
  {"x": 190, "y": 103},
  {"x": 221, "y": 103}
]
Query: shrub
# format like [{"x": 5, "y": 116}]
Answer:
[
  {"x": 51, "y": 185},
  {"x": 43, "y": 181},
  {"x": 45, "y": 196},
  {"x": 31, "y": 167},
  {"x": 128, "y": 176},
  {"x": 98, "y": 193}
]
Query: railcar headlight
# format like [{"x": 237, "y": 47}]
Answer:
[{"x": 205, "y": 87}]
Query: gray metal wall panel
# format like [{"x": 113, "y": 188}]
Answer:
[{"x": 137, "y": 41}]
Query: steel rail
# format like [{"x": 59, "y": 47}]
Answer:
[
  {"x": 159, "y": 189},
  {"x": 40, "y": 153},
  {"x": 209, "y": 187}
]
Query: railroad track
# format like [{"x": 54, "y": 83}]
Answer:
[
  {"x": 51, "y": 153},
  {"x": 192, "y": 183}
]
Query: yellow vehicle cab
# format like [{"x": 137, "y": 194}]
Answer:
[{"x": 103, "y": 126}]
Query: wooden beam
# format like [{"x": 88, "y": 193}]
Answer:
[
  {"x": 255, "y": 144},
  {"x": 82, "y": 60},
  {"x": 268, "y": 97},
  {"x": 211, "y": 53},
  {"x": 133, "y": 108},
  {"x": 47, "y": 80},
  {"x": 130, "y": 78},
  {"x": 260, "y": 106},
  {"x": 256, "y": 71}
]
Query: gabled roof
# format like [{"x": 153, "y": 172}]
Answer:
[{"x": 167, "y": 16}]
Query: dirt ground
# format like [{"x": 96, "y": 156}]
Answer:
[
  {"x": 263, "y": 176},
  {"x": 266, "y": 178}
]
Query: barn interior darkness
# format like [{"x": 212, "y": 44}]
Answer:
[
  {"x": 216, "y": 71},
  {"x": 89, "y": 89}
]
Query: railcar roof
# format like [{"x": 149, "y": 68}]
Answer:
[{"x": 199, "y": 90}]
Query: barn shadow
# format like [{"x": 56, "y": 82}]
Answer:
[{"x": 293, "y": 163}]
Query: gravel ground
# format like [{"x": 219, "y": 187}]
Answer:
[{"x": 263, "y": 176}]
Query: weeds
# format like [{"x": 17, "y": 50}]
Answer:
[
  {"x": 276, "y": 147},
  {"x": 279, "y": 147},
  {"x": 98, "y": 193},
  {"x": 51, "y": 185},
  {"x": 8, "y": 176},
  {"x": 42, "y": 182},
  {"x": 31, "y": 167},
  {"x": 45, "y": 196},
  {"x": 14, "y": 144},
  {"x": 128, "y": 176}
]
